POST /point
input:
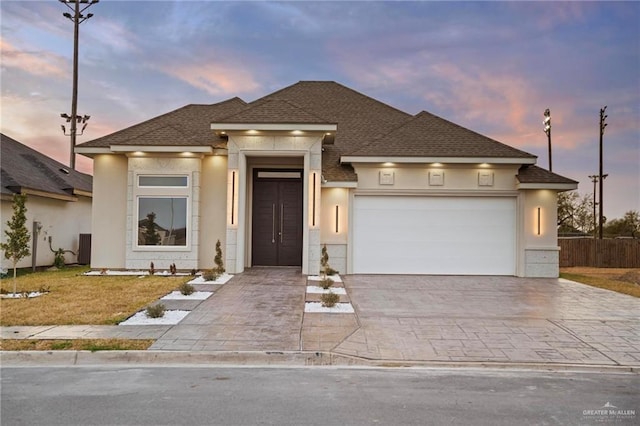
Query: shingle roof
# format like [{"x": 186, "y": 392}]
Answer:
[
  {"x": 366, "y": 127},
  {"x": 535, "y": 174},
  {"x": 273, "y": 111},
  {"x": 24, "y": 167},
  {"x": 427, "y": 135},
  {"x": 189, "y": 126}
]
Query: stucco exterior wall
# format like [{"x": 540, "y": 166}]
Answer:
[
  {"x": 540, "y": 251},
  {"x": 213, "y": 208},
  {"x": 436, "y": 178},
  {"x": 334, "y": 226},
  {"x": 109, "y": 218},
  {"x": 62, "y": 221}
]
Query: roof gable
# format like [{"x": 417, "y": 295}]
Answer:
[{"x": 24, "y": 168}]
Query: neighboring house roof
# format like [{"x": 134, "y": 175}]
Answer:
[
  {"x": 366, "y": 127},
  {"x": 25, "y": 170},
  {"x": 427, "y": 135}
]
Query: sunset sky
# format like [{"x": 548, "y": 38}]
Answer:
[{"x": 492, "y": 67}]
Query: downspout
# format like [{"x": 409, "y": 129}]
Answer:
[{"x": 37, "y": 226}]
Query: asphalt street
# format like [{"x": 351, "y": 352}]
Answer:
[{"x": 197, "y": 395}]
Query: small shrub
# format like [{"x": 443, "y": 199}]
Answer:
[
  {"x": 44, "y": 289},
  {"x": 173, "y": 269},
  {"x": 326, "y": 283},
  {"x": 4, "y": 291},
  {"x": 218, "y": 259},
  {"x": 152, "y": 269},
  {"x": 156, "y": 311},
  {"x": 58, "y": 260},
  {"x": 193, "y": 272},
  {"x": 210, "y": 275},
  {"x": 330, "y": 271},
  {"x": 329, "y": 300},
  {"x": 186, "y": 289}
]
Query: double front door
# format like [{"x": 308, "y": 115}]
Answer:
[{"x": 277, "y": 218}]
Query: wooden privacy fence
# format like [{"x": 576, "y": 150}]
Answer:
[{"x": 607, "y": 253}]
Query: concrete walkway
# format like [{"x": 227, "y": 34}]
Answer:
[{"x": 411, "y": 319}]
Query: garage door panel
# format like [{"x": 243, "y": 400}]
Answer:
[{"x": 434, "y": 235}]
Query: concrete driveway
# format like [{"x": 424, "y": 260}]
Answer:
[
  {"x": 491, "y": 319},
  {"x": 404, "y": 318}
]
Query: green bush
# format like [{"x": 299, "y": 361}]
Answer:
[
  {"x": 329, "y": 299},
  {"x": 326, "y": 283},
  {"x": 210, "y": 275},
  {"x": 186, "y": 289},
  {"x": 156, "y": 311}
]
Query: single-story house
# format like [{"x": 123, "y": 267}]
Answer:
[
  {"x": 315, "y": 164},
  {"x": 58, "y": 202}
]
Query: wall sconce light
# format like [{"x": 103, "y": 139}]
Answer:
[
  {"x": 232, "y": 198},
  {"x": 337, "y": 220},
  {"x": 538, "y": 220}
]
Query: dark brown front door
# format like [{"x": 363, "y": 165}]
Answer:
[{"x": 277, "y": 218}]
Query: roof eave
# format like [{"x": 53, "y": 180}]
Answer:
[
  {"x": 561, "y": 187},
  {"x": 288, "y": 127},
  {"x": 443, "y": 160}
]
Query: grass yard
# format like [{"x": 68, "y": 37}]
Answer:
[
  {"x": 626, "y": 281},
  {"x": 75, "y": 299},
  {"x": 92, "y": 345}
]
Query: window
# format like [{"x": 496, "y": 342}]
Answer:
[
  {"x": 162, "y": 221},
  {"x": 161, "y": 214},
  {"x": 162, "y": 181}
]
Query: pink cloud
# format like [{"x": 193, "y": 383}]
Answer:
[
  {"x": 219, "y": 78},
  {"x": 34, "y": 62}
]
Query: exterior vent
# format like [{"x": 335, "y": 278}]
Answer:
[{"x": 84, "y": 250}]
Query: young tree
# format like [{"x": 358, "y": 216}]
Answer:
[
  {"x": 151, "y": 237},
  {"x": 17, "y": 245}
]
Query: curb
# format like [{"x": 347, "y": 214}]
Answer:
[{"x": 272, "y": 358}]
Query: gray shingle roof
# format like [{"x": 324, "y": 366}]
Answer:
[
  {"x": 24, "y": 167},
  {"x": 273, "y": 111},
  {"x": 366, "y": 127},
  {"x": 427, "y": 135},
  {"x": 189, "y": 126},
  {"x": 535, "y": 174}
]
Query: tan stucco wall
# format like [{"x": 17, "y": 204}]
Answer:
[
  {"x": 539, "y": 255},
  {"x": 63, "y": 221},
  {"x": 109, "y": 213},
  {"x": 213, "y": 208},
  {"x": 455, "y": 177},
  {"x": 336, "y": 242}
]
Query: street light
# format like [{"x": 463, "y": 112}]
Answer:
[
  {"x": 547, "y": 130},
  {"x": 77, "y": 18},
  {"x": 603, "y": 117}
]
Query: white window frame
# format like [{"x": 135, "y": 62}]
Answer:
[{"x": 168, "y": 192}]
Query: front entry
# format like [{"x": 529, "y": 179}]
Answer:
[{"x": 276, "y": 238}]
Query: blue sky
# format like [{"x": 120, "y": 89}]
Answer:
[{"x": 490, "y": 66}]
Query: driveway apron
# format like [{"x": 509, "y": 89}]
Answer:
[
  {"x": 258, "y": 310},
  {"x": 491, "y": 319}
]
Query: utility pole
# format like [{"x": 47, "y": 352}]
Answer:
[
  {"x": 77, "y": 18},
  {"x": 603, "y": 117},
  {"x": 547, "y": 130}
]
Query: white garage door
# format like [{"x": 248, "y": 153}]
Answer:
[{"x": 434, "y": 235}]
